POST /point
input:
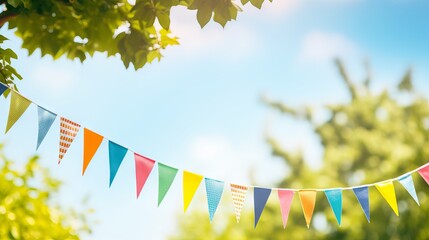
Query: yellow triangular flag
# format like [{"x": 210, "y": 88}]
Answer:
[
  {"x": 191, "y": 182},
  {"x": 18, "y": 105},
  {"x": 387, "y": 190}
]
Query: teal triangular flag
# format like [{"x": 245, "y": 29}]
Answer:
[
  {"x": 166, "y": 175},
  {"x": 335, "y": 198},
  {"x": 46, "y": 119},
  {"x": 116, "y": 155},
  {"x": 407, "y": 182},
  {"x": 260, "y": 197},
  {"x": 214, "y": 190}
]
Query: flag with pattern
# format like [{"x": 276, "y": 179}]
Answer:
[
  {"x": 238, "y": 194},
  {"x": 68, "y": 131}
]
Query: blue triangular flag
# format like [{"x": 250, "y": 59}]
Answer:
[
  {"x": 335, "y": 198},
  {"x": 116, "y": 155},
  {"x": 214, "y": 189},
  {"x": 407, "y": 182},
  {"x": 260, "y": 197},
  {"x": 46, "y": 119},
  {"x": 363, "y": 198},
  {"x": 2, "y": 88}
]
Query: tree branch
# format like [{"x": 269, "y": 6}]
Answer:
[
  {"x": 346, "y": 78},
  {"x": 7, "y": 15}
]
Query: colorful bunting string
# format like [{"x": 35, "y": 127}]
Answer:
[{"x": 191, "y": 181}]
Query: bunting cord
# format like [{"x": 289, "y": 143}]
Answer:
[{"x": 254, "y": 186}]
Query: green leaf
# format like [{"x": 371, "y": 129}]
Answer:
[
  {"x": 204, "y": 15},
  {"x": 257, "y": 3},
  {"x": 14, "y": 3},
  {"x": 163, "y": 19},
  {"x": 406, "y": 83}
]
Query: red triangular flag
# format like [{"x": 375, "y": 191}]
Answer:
[
  {"x": 424, "y": 172},
  {"x": 144, "y": 166}
]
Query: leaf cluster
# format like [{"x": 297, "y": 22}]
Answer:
[
  {"x": 7, "y": 73},
  {"x": 79, "y": 28},
  {"x": 26, "y": 207}
]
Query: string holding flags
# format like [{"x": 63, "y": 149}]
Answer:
[{"x": 192, "y": 181}]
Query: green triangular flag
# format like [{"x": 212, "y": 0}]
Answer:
[
  {"x": 166, "y": 175},
  {"x": 18, "y": 105}
]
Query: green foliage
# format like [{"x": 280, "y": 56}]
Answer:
[
  {"x": 371, "y": 138},
  {"x": 7, "y": 73},
  {"x": 79, "y": 28},
  {"x": 26, "y": 208}
]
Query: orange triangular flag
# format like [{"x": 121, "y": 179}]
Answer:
[
  {"x": 91, "y": 142},
  {"x": 308, "y": 201}
]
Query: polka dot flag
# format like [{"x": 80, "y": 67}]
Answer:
[{"x": 68, "y": 131}]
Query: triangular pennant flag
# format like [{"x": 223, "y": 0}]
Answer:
[
  {"x": 191, "y": 182},
  {"x": 335, "y": 199},
  {"x": 166, "y": 175},
  {"x": 260, "y": 196},
  {"x": 407, "y": 182},
  {"x": 424, "y": 172},
  {"x": 3, "y": 88},
  {"x": 214, "y": 190},
  {"x": 46, "y": 119},
  {"x": 285, "y": 198},
  {"x": 144, "y": 167},
  {"x": 91, "y": 143},
  {"x": 363, "y": 198},
  {"x": 116, "y": 155},
  {"x": 387, "y": 190},
  {"x": 308, "y": 202},
  {"x": 18, "y": 105},
  {"x": 238, "y": 195},
  {"x": 68, "y": 131}
]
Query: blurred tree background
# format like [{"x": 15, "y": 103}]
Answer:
[
  {"x": 373, "y": 137},
  {"x": 26, "y": 207}
]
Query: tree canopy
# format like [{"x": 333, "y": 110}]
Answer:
[
  {"x": 26, "y": 207},
  {"x": 373, "y": 137},
  {"x": 80, "y": 28}
]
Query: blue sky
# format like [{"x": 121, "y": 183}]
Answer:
[{"x": 199, "y": 108}]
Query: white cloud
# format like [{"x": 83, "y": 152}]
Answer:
[
  {"x": 218, "y": 157},
  {"x": 273, "y": 10},
  {"x": 321, "y": 47},
  {"x": 54, "y": 78},
  {"x": 236, "y": 41}
]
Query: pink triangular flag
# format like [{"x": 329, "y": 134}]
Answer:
[
  {"x": 424, "y": 172},
  {"x": 144, "y": 166},
  {"x": 285, "y": 198}
]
